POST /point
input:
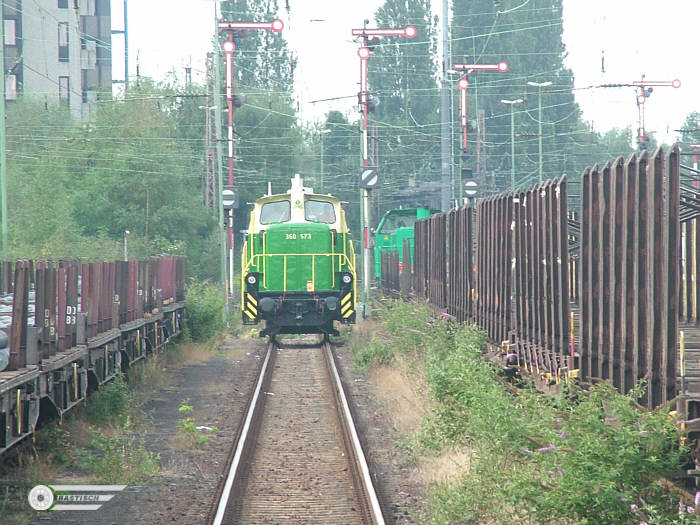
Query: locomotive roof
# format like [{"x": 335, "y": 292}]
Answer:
[
  {"x": 298, "y": 196},
  {"x": 297, "y": 193}
]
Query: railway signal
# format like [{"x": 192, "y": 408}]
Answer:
[
  {"x": 237, "y": 31},
  {"x": 229, "y": 197},
  {"x": 369, "y": 178},
  {"x": 463, "y": 84},
  {"x": 367, "y": 38},
  {"x": 644, "y": 89}
]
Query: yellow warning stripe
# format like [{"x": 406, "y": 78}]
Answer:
[
  {"x": 251, "y": 299},
  {"x": 251, "y": 315},
  {"x": 348, "y": 313},
  {"x": 346, "y": 299},
  {"x": 252, "y": 309},
  {"x": 346, "y": 308}
]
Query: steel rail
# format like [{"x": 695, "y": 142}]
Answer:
[
  {"x": 242, "y": 440},
  {"x": 369, "y": 506},
  {"x": 360, "y": 461}
]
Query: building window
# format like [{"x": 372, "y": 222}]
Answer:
[
  {"x": 63, "y": 4},
  {"x": 64, "y": 91},
  {"x": 63, "y": 42},
  {"x": 10, "y": 32},
  {"x": 11, "y": 87}
]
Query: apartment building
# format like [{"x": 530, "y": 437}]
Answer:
[{"x": 58, "y": 52}]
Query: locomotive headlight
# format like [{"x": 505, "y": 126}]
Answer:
[
  {"x": 267, "y": 304},
  {"x": 347, "y": 278},
  {"x": 252, "y": 279},
  {"x": 331, "y": 303}
]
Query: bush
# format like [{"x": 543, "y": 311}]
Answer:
[
  {"x": 112, "y": 403},
  {"x": 576, "y": 457},
  {"x": 119, "y": 458},
  {"x": 204, "y": 303}
]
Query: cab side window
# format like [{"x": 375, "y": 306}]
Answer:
[
  {"x": 319, "y": 211},
  {"x": 278, "y": 211}
]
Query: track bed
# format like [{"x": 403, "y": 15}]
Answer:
[{"x": 298, "y": 466}]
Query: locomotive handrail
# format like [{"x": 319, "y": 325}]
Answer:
[{"x": 256, "y": 258}]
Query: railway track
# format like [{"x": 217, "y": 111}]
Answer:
[{"x": 297, "y": 457}]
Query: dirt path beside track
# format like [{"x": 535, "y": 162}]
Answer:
[{"x": 217, "y": 387}]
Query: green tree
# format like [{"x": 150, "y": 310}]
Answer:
[
  {"x": 130, "y": 168},
  {"x": 529, "y": 37},
  {"x": 403, "y": 76},
  {"x": 341, "y": 160},
  {"x": 41, "y": 222},
  {"x": 262, "y": 58},
  {"x": 690, "y": 133}
]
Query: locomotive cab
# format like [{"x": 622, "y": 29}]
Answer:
[{"x": 298, "y": 266}]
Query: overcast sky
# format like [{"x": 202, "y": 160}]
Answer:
[{"x": 637, "y": 37}]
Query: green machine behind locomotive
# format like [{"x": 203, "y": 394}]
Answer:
[
  {"x": 298, "y": 264},
  {"x": 396, "y": 226}
]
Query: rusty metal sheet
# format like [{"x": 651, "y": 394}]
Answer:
[
  {"x": 390, "y": 270},
  {"x": 132, "y": 291},
  {"x": 629, "y": 323},
  {"x": 180, "y": 278},
  {"x": 61, "y": 309},
  {"x": 616, "y": 269},
  {"x": 18, "y": 329},
  {"x": 460, "y": 276},
  {"x": 437, "y": 260},
  {"x": 630, "y": 264},
  {"x": 72, "y": 302},
  {"x": 672, "y": 213}
]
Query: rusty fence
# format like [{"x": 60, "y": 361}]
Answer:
[
  {"x": 494, "y": 279},
  {"x": 74, "y": 326},
  {"x": 430, "y": 259},
  {"x": 104, "y": 294},
  {"x": 461, "y": 288},
  {"x": 540, "y": 270},
  {"x": 515, "y": 283},
  {"x": 598, "y": 292},
  {"x": 630, "y": 254}
]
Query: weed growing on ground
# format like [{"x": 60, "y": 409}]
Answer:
[
  {"x": 187, "y": 428},
  {"x": 577, "y": 457},
  {"x": 204, "y": 303},
  {"x": 120, "y": 457},
  {"x": 116, "y": 452},
  {"x": 150, "y": 375},
  {"x": 112, "y": 403},
  {"x": 401, "y": 330}
]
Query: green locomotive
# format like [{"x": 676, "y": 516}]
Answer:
[
  {"x": 298, "y": 264},
  {"x": 395, "y": 226}
]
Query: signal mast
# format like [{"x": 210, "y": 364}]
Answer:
[
  {"x": 644, "y": 89},
  {"x": 228, "y": 195},
  {"x": 369, "y": 177}
]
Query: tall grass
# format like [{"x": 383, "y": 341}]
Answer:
[{"x": 574, "y": 457}]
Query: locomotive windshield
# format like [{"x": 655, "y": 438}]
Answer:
[
  {"x": 393, "y": 221},
  {"x": 277, "y": 211},
  {"x": 319, "y": 211}
]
